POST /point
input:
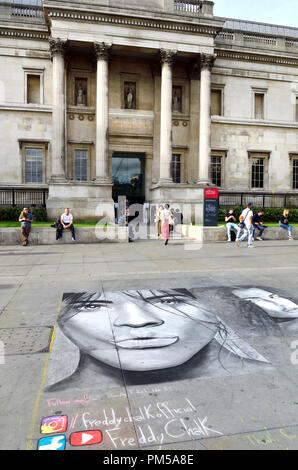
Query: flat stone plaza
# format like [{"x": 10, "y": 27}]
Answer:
[{"x": 205, "y": 358}]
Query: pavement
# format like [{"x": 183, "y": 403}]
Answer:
[{"x": 219, "y": 399}]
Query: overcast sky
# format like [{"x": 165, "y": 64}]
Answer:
[{"x": 283, "y": 12}]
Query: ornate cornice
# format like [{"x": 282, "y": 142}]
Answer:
[
  {"x": 57, "y": 47},
  {"x": 138, "y": 22},
  {"x": 102, "y": 50},
  {"x": 247, "y": 57},
  {"x": 167, "y": 56},
  {"x": 24, "y": 34}
]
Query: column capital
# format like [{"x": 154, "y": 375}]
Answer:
[
  {"x": 207, "y": 61},
  {"x": 57, "y": 47},
  {"x": 167, "y": 56},
  {"x": 102, "y": 50}
]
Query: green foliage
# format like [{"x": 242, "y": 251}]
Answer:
[
  {"x": 11, "y": 213},
  {"x": 270, "y": 214}
]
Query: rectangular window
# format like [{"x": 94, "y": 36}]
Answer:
[
  {"x": 216, "y": 170},
  {"x": 257, "y": 174},
  {"x": 176, "y": 167},
  {"x": 33, "y": 165},
  {"x": 296, "y": 109},
  {"x": 33, "y": 89},
  {"x": 80, "y": 167},
  {"x": 259, "y": 99},
  {"x": 216, "y": 102},
  {"x": 295, "y": 174}
]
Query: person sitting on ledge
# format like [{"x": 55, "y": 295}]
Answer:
[{"x": 66, "y": 220}]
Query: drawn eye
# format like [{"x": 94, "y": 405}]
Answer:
[{"x": 171, "y": 301}]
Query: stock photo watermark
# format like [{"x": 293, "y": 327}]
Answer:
[
  {"x": 294, "y": 355},
  {"x": 139, "y": 222},
  {"x": 2, "y": 353}
]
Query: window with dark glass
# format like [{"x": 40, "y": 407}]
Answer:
[
  {"x": 295, "y": 174},
  {"x": 257, "y": 174},
  {"x": 80, "y": 165},
  {"x": 216, "y": 170},
  {"x": 33, "y": 165},
  {"x": 176, "y": 168}
]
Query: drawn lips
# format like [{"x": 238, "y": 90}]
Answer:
[{"x": 145, "y": 343}]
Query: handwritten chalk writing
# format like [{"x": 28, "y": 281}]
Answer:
[
  {"x": 144, "y": 413},
  {"x": 56, "y": 401},
  {"x": 120, "y": 442},
  {"x": 197, "y": 428},
  {"x": 174, "y": 429},
  {"x": 2, "y": 353},
  {"x": 294, "y": 355},
  {"x": 286, "y": 435}
]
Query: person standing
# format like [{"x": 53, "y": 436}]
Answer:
[
  {"x": 67, "y": 222},
  {"x": 284, "y": 223},
  {"x": 158, "y": 220},
  {"x": 258, "y": 224},
  {"x": 165, "y": 223},
  {"x": 247, "y": 226},
  {"x": 230, "y": 220},
  {"x": 26, "y": 220}
]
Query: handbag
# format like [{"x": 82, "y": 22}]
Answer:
[{"x": 242, "y": 224}]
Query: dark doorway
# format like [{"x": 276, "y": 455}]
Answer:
[{"x": 128, "y": 170}]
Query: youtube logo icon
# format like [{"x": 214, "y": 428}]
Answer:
[{"x": 85, "y": 438}]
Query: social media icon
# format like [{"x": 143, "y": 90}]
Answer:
[
  {"x": 52, "y": 424},
  {"x": 52, "y": 443},
  {"x": 85, "y": 438}
]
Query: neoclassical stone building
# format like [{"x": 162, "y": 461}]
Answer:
[{"x": 154, "y": 100}]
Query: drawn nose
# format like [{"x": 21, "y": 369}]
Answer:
[{"x": 135, "y": 317}]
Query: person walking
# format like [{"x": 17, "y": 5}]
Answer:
[
  {"x": 165, "y": 223},
  {"x": 284, "y": 223},
  {"x": 247, "y": 226},
  {"x": 66, "y": 220},
  {"x": 258, "y": 224},
  {"x": 230, "y": 220},
  {"x": 158, "y": 220},
  {"x": 26, "y": 220}
]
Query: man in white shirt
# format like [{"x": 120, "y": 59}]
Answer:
[
  {"x": 67, "y": 222},
  {"x": 247, "y": 215}
]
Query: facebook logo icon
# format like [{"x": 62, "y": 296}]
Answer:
[{"x": 57, "y": 442}]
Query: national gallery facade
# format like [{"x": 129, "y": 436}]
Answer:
[{"x": 154, "y": 100}]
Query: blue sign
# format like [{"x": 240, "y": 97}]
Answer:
[{"x": 57, "y": 442}]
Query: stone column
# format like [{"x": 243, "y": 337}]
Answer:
[
  {"x": 207, "y": 62},
  {"x": 167, "y": 58},
  {"x": 102, "y": 113},
  {"x": 58, "y": 49}
]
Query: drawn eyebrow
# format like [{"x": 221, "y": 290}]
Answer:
[
  {"x": 167, "y": 296},
  {"x": 89, "y": 303}
]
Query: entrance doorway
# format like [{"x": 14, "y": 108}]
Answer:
[{"x": 128, "y": 173}]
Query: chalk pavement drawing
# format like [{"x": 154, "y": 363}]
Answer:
[
  {"x": 52, "y": 424},
  {"x": 154, "y": 342},
  {"x": 159, "y": 335},
  {"x": 57, "y": 442}
]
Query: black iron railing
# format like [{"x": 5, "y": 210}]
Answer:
[
  {"x": 23, "y": 196},
  {"x": 273, "y": 200}
]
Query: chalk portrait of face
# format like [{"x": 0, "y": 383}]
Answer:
[
  {"x": 275, "y": 306},
  {"x": 151, "y": 335}
]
